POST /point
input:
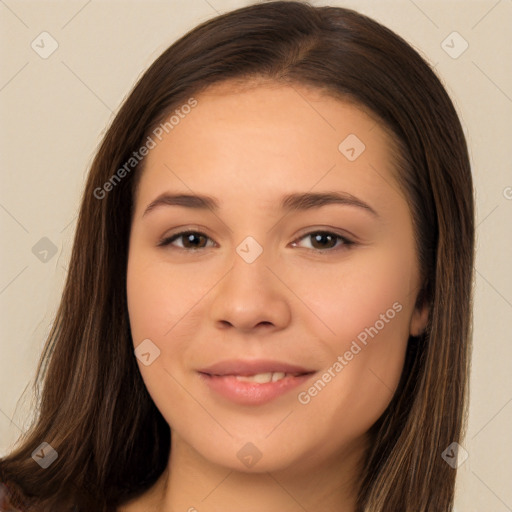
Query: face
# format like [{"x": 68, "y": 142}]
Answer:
[{"x": 312, "y": 296}]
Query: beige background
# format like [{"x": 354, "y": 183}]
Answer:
[{"x": 55, "y": 110}]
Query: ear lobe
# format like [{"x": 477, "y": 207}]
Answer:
[
  {"x": 421, "y": 314},
  {"x": 419, "y": 319}
]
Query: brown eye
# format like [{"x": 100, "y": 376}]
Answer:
[
  {"x": 191, "y": 240},
  {"x": 325, "y": 240}
]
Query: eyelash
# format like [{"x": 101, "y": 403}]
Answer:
[{"x": 346, "y": 243}]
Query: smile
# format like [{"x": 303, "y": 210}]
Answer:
[{"x": 255, "y": 389}]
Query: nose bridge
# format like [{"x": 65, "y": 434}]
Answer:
[
  {"x": 250, "y": 250},
  {"x": 249, "y": 271}
]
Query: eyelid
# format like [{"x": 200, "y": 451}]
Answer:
[
  {"x": 346, "y": 240},
  {"x": 342, "y": 233},
  {"x": 166, "y": 240}
]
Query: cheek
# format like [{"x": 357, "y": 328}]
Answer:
[
  {"x": 165, "y": 305},
  {"x": 365, "y": 292},
  {"x": 161, "y": 304},
  {"x": 159, "y": 296},
  {"x": 369, "y": 310},
  {"x": 367, "y": 306}
]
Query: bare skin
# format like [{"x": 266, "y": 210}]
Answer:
[{"x": 304, "y": 300}]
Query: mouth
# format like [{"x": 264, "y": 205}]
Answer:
[
  {"x": 253, "y": 382},
  {"x": 264, "y": 378},
  {"x": 254, "y": 367},
  {"x": 260, "y": 378}
]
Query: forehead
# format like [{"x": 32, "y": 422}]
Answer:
[{"x": 264, "y": 138}]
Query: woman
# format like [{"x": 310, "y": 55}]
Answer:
[{"x": 268, "y": 304}]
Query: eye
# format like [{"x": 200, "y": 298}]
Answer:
[
  {"x": 325, "y": 240},
  {"x": 192, "y": 240},
  {"x": 321, "y": 241}
]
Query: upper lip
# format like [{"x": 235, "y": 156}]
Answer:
[{"x": 252, "y": 367}]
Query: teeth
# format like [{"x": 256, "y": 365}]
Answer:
[{"x": 262, "y": 378}]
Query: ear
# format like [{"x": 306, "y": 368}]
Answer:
[{"x": 419, "y": 318}]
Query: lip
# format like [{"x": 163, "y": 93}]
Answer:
[
  {"x": 251, "y": 367},
  {"x": 221, "y": 379}
]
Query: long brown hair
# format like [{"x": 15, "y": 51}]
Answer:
[{"x": 112, "y": 442}]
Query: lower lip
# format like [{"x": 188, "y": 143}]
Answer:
[{"x": 251, "y": 393}]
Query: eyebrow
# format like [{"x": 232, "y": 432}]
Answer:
[{"x": 289, "y": 203}]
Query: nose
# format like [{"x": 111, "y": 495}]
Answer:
[{"x": 251, "y": 297}]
